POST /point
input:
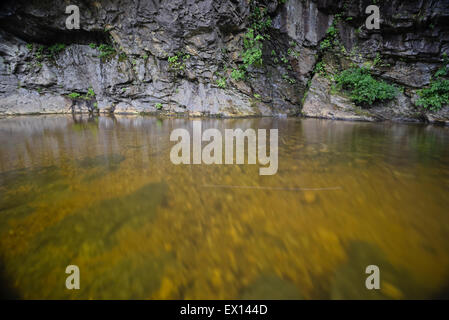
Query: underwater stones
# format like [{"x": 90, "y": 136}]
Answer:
[
  {"x": 310, "y": 197},
  {"x": 94, "y": 228},
  {"x": 350, "y": 277},
  {"x": 89, "y": 235},
  {"x": 22, "y": 186},
  {"x": 270, "y": 287},
  {"x": 110, "y": 161}
]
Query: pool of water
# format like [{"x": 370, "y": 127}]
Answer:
[{"x": 102, "y": 194}]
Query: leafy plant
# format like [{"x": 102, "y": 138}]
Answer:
[
  {"x": 287, "y": 78},
  {"x": 436, "y": 95},
  {"x": 159, "y": 106},
  {"x": 238, "y": 74},
  {"x": 221, "y": 83},
  {"x": 284, "y": 59},
  {"x": 320, "y": 68},
  {"x": 88, "y": 96},
  {"x": 74, "y": 95},
  {"x": 253, "y": 49},
  {"x": 331, "y": 35},
  {"x": 106, "y": 51},
  {"x": 90, "y": 93},
  {"x": 293, "y": 53},
  {"x": 253, "y": 39},
  {"x": 325, "y": 44},
  {"x": 56, "y": 48},
  {"x": 122, "y": 57},
  {"x": 177, "y": 62},
  {"x": 363, "y": 88},
  {"x": 40, "y": 53}
]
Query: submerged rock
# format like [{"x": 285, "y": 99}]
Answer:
[
  {"x": 271, "y": 287},
  {"x": 350, "y": 277}
]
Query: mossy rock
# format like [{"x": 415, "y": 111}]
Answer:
[
  {"x": 271, "y": 287},
  {"x": 350, "y": 277}
]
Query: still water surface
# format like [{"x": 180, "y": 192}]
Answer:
[{"x": 102, "y": 194}]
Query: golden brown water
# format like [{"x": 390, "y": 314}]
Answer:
[{"x": 102, "y": 194}]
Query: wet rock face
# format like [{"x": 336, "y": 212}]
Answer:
[{"x": 137, "y": 76}]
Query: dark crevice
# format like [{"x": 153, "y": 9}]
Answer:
[{"x": 49, "y": 36}]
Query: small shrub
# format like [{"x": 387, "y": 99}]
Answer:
[
  {"x": 177, "y": 63},
  {"x": 221, "y": 83},
  {"x": 363, "y": 88},
  {"x": 158, "y": 106},
  {"x": 331, "y": 36},
  {"x": 56, "y": 48},
  {"x": 238, "y": 74},
  {"x": 293, "y": 53},
  {"x": 436, "y": 95},
  {"x": 74, "y": 95},
  {"x": 106, "y": 51},
  {"x": 88, "y": 96},
  {"x": 325, "y": 44},
  {"x": 40, "y": 53},
  {"x": 253, "y": 39},
  {"x": 90, "y": 93},
  {"x": 288, "y": 79},
  {"x": 252, "y": 55},
  {"x": 284, "y": 59},
  {"x": 320, "y": 68}
]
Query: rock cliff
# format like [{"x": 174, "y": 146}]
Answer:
[{"x": 218, "y": 57}]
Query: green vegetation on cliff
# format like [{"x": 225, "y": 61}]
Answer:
[
  {"x": 363, "y": 88},
  {"x": 253, "y": 41},
  {"x": 436, "y": 95},
  {"x": 90, "y": 95}
]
